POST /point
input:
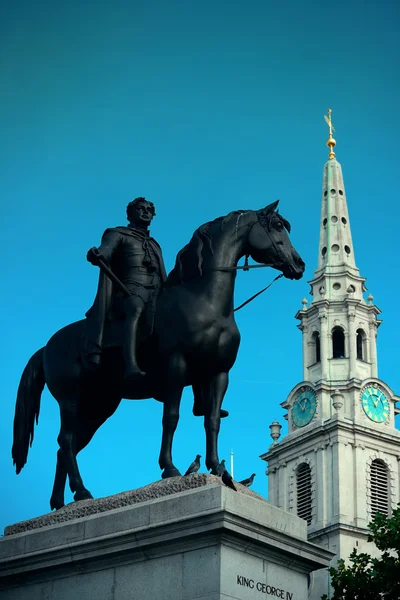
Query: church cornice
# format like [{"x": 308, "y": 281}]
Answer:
[
  {"x": 334, "y": 274},
  {"x": 334, "y": 431},
  {"x": 349, "y": 385},
  {"x": 334, "y": 528},
  {"x": 338, "y": 271},
  {"x": 321, "y": 307}
]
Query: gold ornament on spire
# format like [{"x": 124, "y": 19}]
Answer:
[{"x": 331, "y": 143}]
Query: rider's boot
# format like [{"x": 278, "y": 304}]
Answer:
[
  {"x": 198, "y": 406},
  {"x": 198, "y": 411},
  {"x": 132, "y": 370}
]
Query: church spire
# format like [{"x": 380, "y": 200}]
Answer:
[
  {"x": 336, "y": 252},
  {"x": 339, "y": 326}
]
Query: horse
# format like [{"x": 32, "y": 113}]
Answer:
[{"x": 194, "y": 342}]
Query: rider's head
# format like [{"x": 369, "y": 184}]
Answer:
[{"x": 140, "y": 212}]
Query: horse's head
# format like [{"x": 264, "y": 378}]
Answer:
[{"x": 269, "y": 243}]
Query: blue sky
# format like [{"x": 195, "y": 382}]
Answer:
[{"x": 203, "y": 108}]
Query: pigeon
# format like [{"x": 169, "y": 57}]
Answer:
[
  {"x": 195, "y": 466},
  {"x": 247, "y": 482},
  {"x": 227, "y": 480},
  {"x": 219, "y": 469}
]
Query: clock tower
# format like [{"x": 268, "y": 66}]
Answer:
[{"x": 339, "y": 463}]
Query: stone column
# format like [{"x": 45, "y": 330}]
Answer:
[
  {"x": 306, "y": 352},
  {"x": 352, "y": 346},
  {"x": 372, "y": 348},
  {"x": 328, "y": 483},
  {"x": 281, "y": 487},
  {"x": 335, "y": 482},
  {"x": 284, "y": 500},
  {"x": 324, "y": 346},
  {"x": 273, "y": 485},
  {"x": 321, "y": 491},
  {"x": 360, "y": 491}
]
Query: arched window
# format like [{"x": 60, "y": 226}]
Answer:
[
  {"x": 303, "y": 485},
  {"x": 316, "y": 347},
  {"x": 361, "y": 343},
  {"x": 380, "y": 492},
  {"x": 337, "y": 342}
]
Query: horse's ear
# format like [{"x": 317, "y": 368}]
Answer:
[{"x": 270, "y": 208}]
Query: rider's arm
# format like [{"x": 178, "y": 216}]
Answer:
[{"x": 109, "y": 243}]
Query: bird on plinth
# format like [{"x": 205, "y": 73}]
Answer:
[
  {"x": 220, "y": 468},
  {"x": 195, "y": 466},
  {"x": 227, "y": 480},
  {"x": 247, "y": 482}
]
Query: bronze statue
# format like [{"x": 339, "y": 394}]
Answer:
[
  {"x": 136, "y": 260},
  {"x": 194, "y": 341}
]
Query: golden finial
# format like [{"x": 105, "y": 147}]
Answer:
[{"x": 331, "y": 143}]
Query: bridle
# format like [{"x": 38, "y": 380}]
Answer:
[{"x": 247, "y": 267}]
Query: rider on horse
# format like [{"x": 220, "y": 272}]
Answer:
[{"x": 136, "y": 260}]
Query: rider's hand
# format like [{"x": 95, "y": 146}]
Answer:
[{"x": 93, "y": 256}]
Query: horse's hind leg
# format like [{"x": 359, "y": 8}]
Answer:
[
  {"x": 67, "y": 440},
  {"x": 57, "y": 496}
]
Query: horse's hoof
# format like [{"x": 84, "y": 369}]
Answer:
[
  {"x": 56, "y": 504},
  {"x": 170, "y": 473},
  {"x": 215, "y": 467},
  {"x": 83, "y": 495}
]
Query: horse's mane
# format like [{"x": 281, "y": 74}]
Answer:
[{"x": 189, "y": 260}]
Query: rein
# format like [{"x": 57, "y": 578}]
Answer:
[
  {"x": 247, "y": 267},
  {"x": 258, "y": 293}
]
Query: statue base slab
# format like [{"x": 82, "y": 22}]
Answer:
[{"x": 207, "y": 542}]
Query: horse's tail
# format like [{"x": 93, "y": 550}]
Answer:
[{"x": 27, "y": 408}]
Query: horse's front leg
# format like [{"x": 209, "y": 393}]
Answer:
[
  {"x": 213, "y": 395},
  {"x": 169, "y": 422}
]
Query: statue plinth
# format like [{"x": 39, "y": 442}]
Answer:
[{"x": 162, "y": 542}]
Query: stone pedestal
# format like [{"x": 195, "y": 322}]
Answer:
[{"x": 207, "y": 542}]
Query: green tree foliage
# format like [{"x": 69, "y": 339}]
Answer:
[{"x": 366, "y": 578}]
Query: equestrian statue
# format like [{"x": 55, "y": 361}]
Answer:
[{"x": 149, "y": 336}]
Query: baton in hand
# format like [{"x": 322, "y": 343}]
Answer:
[{"x": 101, "y": 263}]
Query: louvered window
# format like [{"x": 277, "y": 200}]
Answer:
[
  {"x": 379, "y": 488},
  {"x": 303, "y": 481}
]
